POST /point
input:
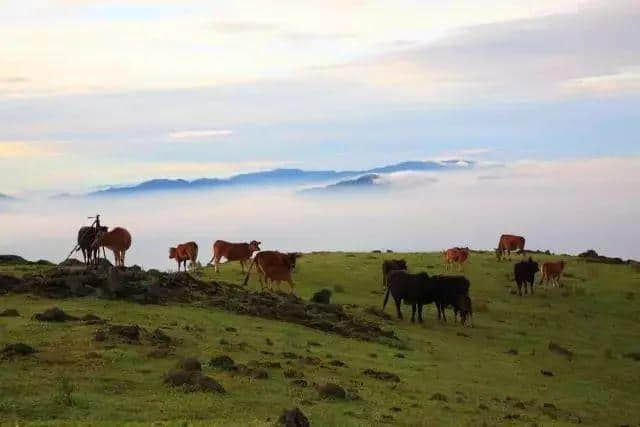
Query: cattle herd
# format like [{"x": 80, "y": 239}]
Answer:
[{"x": 415, "y": 289}]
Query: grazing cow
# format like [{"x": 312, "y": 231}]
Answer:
[
  {"x": 390, "y": 265},
  {"x": 524, "y": 273},
  {"x": 509, "y": 243},
  {"x": 415, "y": 289},
  {"x": 184, "y": 252},
  {"x": 118, "y": 240},
  {"x": 233, "y": 252},
  {"x": 551, "y": 271},
  {"x": 452, "y": 291},
  {"x": 273, "y": 266},
  {"x": 455, "y": 255},
  {"x": 86, "y": 236}
]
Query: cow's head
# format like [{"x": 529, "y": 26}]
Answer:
[
  {"x": 254, "y": 246},
  {"x": 463, "y": 304},
  {"x": 534, "y": 265},
  {"x": 172, "y": 253},
  {"x": 400, "y": 264},
  {"x": 291, "y": 259}
]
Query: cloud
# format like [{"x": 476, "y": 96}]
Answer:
[
  {"x": 19, "y": 149},
  {"x": 187, "y": 134},
  {"x": 591, "y": 49},
  {"x": 239, "y": 27}
]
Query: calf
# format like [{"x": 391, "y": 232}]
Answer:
[
  {"x": 551, "y": 272},
  {"x": 452, "y": 291},
  {"x": 273, "y": 266},
  {"x": 184, "y": 252},
  {"x": 524, "y": 273},
  {"x": 390, "y": 265},
  {"x": 455, "y": 256},
  {"x": 414, "y": 289}
]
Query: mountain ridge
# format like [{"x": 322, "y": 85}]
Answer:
[{"x": 278, "y": 176}]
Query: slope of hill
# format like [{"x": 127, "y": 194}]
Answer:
[{"x": 562, "y": 356}]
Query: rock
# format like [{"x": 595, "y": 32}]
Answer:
[
  {"x": 293, "y": 418},
  {"x": 268, "y": 341},
  {"x": 127, "y": 332},
  {"x": 635, "y": 356},
  {"x": 230, "y": 329},
  {"x": 520, "y": 405},
  {"x": 483, "y": 407},
  {"x": 299, "y": 383},
  {"x": 337, "y": 363},
  {"x": 313, "y": 343},
  {"x": 159, "y": 337},
  {"x": 10, "y": 312},
  {"x": 331, "y": 390},
  {"x": 381, "y": 375},
  {"x": 395, "y": 409},
  {"x": 222, "y": 362},
  {"x": 558, "y": 349},
  {"x": 400, "y": 355},
  {"x": 53, "y": 314},
  {"x": 99, "y": 335},
  {"x": 546, "y": 373},
  {"x": 438, "y": 396},
  {"x": 259, "y": 374},
  {"x": 376, "y": 311},
  {"x": 322, "y": 297},
  {"x": 18, "y": 349},
  {"x": 190, "y": 364},
  {"x": 193, "y": 381},
  {"x": 373, "y": 355},
  {"x": 512, "y": 351},
  {"x": 292, "y": 373},
  {"x": 91, "y": 319}
]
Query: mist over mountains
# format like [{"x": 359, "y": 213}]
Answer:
[{"x": 281, "y": 177}]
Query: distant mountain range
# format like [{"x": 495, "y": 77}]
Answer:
[
  {"x": 370, "y": 180},
  {"x": 279, "y": 177}
]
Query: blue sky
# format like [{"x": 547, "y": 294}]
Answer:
[{"x": 103, "y": 92}]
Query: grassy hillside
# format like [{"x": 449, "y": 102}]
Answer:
[{"x": 449, "y": 375}]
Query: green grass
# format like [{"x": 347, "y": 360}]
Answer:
[{"x": 593, "y": 315}]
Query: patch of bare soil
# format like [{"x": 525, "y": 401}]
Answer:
[{"x": 136, "y": 285}]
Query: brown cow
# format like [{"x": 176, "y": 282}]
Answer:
[
  {"x": 274, "y": 266},
  {"x": 455, "y": 255},
  {"x": 551, "y": 271},
  {"x": 508, "y": 243},
  {"x": 118, "y": 240},
  {"x": 233, "y": 252},
  {"x": 184, "y": 252}
]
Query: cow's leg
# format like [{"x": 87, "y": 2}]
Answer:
[
  {"x": 242, "y": 265},
  {"x": 444, "y": 315},
  {"x": 413, "y": 312},
  {"x": 420, "y": 306},
  {"x": 291, "y": 284},
  {"x": 398, "y": 312},
  {"x": 216, "y": 261}
]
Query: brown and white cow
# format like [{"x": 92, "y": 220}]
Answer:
[
  {"x": 551, "y": 272},
  {"x": 508, "y": 243},
  {"x": 184, "y": 252},
  {"x": 273, "y": 266},
  {"x": 455, "y": 256},
  {"x": 233, "y": 252}
]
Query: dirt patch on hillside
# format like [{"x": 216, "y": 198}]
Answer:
[{"x": 136, "y": 285}]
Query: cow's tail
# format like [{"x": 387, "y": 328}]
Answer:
[
  {"x": 194, "y": 256},
  {"x": 386, "y": 296},
  {"x": 246, "y": 278}
]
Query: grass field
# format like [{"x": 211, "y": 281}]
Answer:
[{"x": 490, "y": 373}]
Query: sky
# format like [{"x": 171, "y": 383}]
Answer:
[{"x": 94, "y": 92}]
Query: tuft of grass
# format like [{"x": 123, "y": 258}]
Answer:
[{"x": 65, "y": 392}]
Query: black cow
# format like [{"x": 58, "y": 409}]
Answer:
[
  {"x": 453, "y": 291},
  {"x": 524, "y": 273},
  {"x": 415, "y": 289},
  {"x": 86, "y": 236},
  {"x": 389, "y": 266}
]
